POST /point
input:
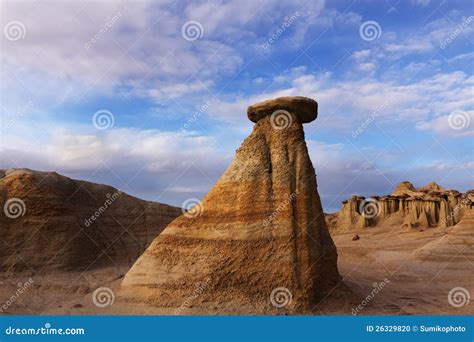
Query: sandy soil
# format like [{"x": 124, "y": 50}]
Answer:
[
  {"x": 417, "y": 284},
  {"x": 387, "y": 269}
]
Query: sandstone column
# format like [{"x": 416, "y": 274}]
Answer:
[{"x": 259, "y": 229}]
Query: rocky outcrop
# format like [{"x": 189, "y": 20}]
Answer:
[
  {"x": 258, "y": 241},
  {"x": 404, "y": 188},
  {"x": 51, "y": 223},
  {"x": 349, "y": 215},
  {"x": 428, "y": 206}
]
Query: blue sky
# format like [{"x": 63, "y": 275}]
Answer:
[{"x": 394, "y": 81}]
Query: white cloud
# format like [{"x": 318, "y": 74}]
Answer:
[
  {"x": 145, "y": 163},
  {"x": 421, "y": 3},
  {"x": 76, "y": 48},
  {"x": 410, "y": 46},
  {"x": 344, "y": 105},
  {"x": 457, "y": 124},
  {"x": 153, "y": 150},
  {"x": 361, "y": 54},
  {"x": 366, "y": 67},
  {"x": 82, "y": 47},
  {"x": 175, "y": 90}
]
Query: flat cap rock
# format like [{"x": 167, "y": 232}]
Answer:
[{"x": 304, "y": 108}]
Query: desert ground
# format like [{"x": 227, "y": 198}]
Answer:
[{"x": 418, "y": 284}]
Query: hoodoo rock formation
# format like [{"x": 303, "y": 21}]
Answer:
[
  {"x": 428, "y": 206},
  {"x": 258, "y": 241}
]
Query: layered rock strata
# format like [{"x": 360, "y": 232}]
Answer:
[
  {"x": 51, "y": 223},
  {"x": 428, "y": 206},
  {"x": 258, "y": 241}
]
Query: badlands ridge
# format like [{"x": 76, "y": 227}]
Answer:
[{"x": 425, "y": 207}]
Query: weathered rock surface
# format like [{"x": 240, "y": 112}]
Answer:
[
  {"x": 305, "y": 109},
  {"x": 260, "y": 229},
  {"x": 51, "y": 223},
  {"x": 428, "y": 206}
]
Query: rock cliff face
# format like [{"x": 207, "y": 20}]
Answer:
[
  {"x": 428, "y": 206},
  {"x": 258, "y": 240},
  {"x": 51, "y": 223}
]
